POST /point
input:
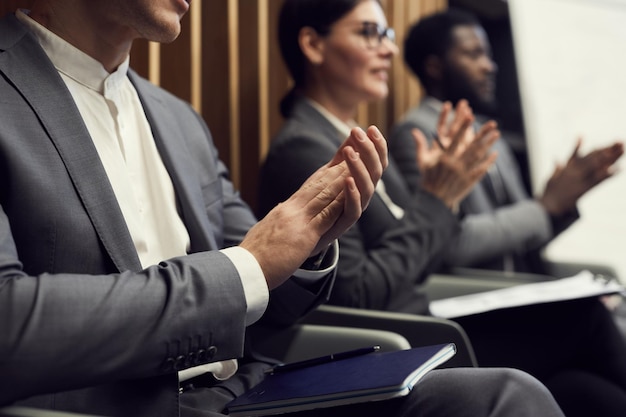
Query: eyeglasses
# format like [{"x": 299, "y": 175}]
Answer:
[{"x": 374, "y": 34}]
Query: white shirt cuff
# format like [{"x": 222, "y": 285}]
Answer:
[
  {"x": 253, "y": 281},
  {"x": 313, "y": 276}
]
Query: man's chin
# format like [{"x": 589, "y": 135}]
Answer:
[
  {"x": 486, "y": 107},
  {"x": 166, "y": 33}
]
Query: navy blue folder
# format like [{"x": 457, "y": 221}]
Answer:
[{"x": 371, "y": 377}]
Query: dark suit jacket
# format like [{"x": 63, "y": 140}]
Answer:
[
  {"x": 382, "y": 260},
  {"x": 494, "y": 225},
  {"x": 76, "y": 309}
]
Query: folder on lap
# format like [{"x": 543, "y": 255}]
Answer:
[{"x": 371, "y": 377}]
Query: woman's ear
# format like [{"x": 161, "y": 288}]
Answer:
[
  {"x": 433, "y": 67},
  {"x": 312, "y": 45}
]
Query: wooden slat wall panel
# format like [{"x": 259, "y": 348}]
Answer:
[
  {"x": 279, "y": 77},
  {"x": 253, "y": 86},
  {"x": 175, "y": 63},
  {"x": 216, "y": 87},
  {"x": 7, "y": 6},
  {"x": 238, "y": 80},
  {"x": 139, "y": 58},
  {"x": 195, "y": 55},
  {"x": 405, "y": 91}
]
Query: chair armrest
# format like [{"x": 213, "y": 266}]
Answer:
[
  {"x": 418, "y": 330},
  {"x": 489, "y": 274},
  {"x": 305, "y": 341},
  {"x": 36, "y": 412},
  {"x": 463, "y": 281}
]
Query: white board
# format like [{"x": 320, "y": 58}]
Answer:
[{"x": 571, "y": 63}]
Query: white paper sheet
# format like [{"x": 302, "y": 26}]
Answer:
[{"x": 582, "y": 285}]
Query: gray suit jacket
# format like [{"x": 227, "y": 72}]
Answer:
[
  {"x": 382, "y": 260},
  {"x": 76, "y": 310},
  {"x": 499, "y": 219}
]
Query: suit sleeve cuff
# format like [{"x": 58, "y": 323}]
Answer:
[{"x": 253, "y": 282}]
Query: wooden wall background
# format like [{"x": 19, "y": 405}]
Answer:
[{"x": 227, "y": 64}]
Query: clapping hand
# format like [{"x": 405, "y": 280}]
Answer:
[
  {"x": 325, "y": 206},
  {"x": 580, "y": 174},
  {"x": 458, "y": 157}
]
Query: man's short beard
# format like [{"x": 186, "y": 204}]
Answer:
[
  {"x": 484, "y": 107},
  {"x": 457, "y": 88}
]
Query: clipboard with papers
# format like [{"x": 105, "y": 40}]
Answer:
[{"x": 583, "y": 285}]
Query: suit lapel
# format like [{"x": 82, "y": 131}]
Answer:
[
  {"x": 46, "y": 93},
  {"x": 168, "y": 135},
  {"x": 309, "y": 116}
]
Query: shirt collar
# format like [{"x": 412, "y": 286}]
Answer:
[
  {"x": 343, "y": 127},
  {"x": 434, "y": 103},
  {"x": 73, "y": 62},
  {"x": 437, "y": 105}
]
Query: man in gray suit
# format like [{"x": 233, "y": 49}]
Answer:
[
  {"x": 127, "y": 259},
  {"x": 502, "y": 227}
]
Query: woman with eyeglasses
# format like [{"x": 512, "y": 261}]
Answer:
[{"x": 339, "y": 54}]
